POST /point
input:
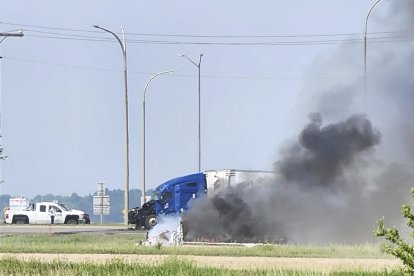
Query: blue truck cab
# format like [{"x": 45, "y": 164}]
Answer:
[{"x": 171, "y": 197}]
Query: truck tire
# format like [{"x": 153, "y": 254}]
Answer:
[
  {"x": 72, "y": 221},
  {"x": 151, "y": 221},
  {"x": 21, "y": 221}
]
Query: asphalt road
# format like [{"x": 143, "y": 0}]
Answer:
[{"x": 31, "y": 229}]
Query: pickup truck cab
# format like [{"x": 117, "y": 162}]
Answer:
[{"x": 39, "y": 213}]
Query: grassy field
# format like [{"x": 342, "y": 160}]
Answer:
[
  {"x": 11, "y": 266},
  {"x": 129, "y": 243}
]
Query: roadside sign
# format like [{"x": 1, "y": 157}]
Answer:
[
  {"x": 101, "y": 205},
  {"x": 101, "y": 210},
  {"x": 101, "y": 201}
]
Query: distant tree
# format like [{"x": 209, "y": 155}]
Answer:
[
  {"x": 396, "y": 245},
  {"x": 4, "y": 201}
]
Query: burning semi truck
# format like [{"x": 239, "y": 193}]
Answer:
[{"x": 173, "y": 196}]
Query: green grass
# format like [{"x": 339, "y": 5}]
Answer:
[
  {"x": 12, "y": 266},
  {"x": 101, "y": 243},
  {"x": 125, "y": 243}
]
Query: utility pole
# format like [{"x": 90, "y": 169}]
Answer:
[{"x": 3, "y": 36}]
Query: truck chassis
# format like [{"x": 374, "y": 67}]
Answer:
[{"x": 144, "y": 217}]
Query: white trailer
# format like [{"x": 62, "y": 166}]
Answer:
[{"x": 218, "y": 179}]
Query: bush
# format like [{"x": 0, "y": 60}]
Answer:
[
  {"x": 158, "y": 246},
  {"x": 396, "y": 244}
]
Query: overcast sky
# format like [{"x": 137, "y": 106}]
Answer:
[{"x": 62, "y": 101}]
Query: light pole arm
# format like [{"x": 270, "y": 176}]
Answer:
[
  {"x": 190, "y": 60},
  {"x": 366, "y": 19},
  {"x": 365, "y": 45},
  {"x": 366, "y": 29},
  {"x": 153, "y": 77},
  {"x": 116, "y": 36}
]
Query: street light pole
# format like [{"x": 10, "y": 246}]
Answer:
[
  {"x": 143, "y": 130},
  {"x": 198, "y": 65},
  {"x": 365, "y": 47},
  {"x": 123, "y": 48}
]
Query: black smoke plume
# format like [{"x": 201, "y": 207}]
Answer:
[
  {"x": 323, "y": 152},
  {"x": 331, "y": 186},
  {"x": 265, "y": 212}
]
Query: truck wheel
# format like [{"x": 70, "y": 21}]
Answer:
[
  {"x": 72, "y": 222},
  {"x": 151, "y": 221},
  {"x": 21, "y": 221}
]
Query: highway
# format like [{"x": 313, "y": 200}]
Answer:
[{"x": 57, "y": 229}]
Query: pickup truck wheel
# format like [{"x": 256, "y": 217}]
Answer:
[
  {"x": 72, "y": 222},
  {"x": 151, "y": 221},
  {"x": 21, "y": 221}
]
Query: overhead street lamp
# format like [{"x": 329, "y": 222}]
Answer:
[
  {"x": 198, "y": 65},
  {"x": 143, "y": 132},
  {"x": 365, "y": 45},
  {"x": 123, "y": 48}
]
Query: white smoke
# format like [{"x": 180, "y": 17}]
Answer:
[{"x": 167, "y": 232}]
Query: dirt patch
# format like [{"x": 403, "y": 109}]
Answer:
[{"x": 314, "y": 264}]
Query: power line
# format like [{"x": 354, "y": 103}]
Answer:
[
  {"x": 57, "y": 33},
  {"x": 184, "y": 35},
  {"x": 385, "y": 39},
  {"x": 50, "y": 28},
  {"x": 174, "y": 74},
  {"x": 69, "y": 35},
  {"x": 208, "y": 36},
  {"x": 72, "y": 38}
]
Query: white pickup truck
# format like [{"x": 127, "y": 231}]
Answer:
[{"x": 39, "y": 213}]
